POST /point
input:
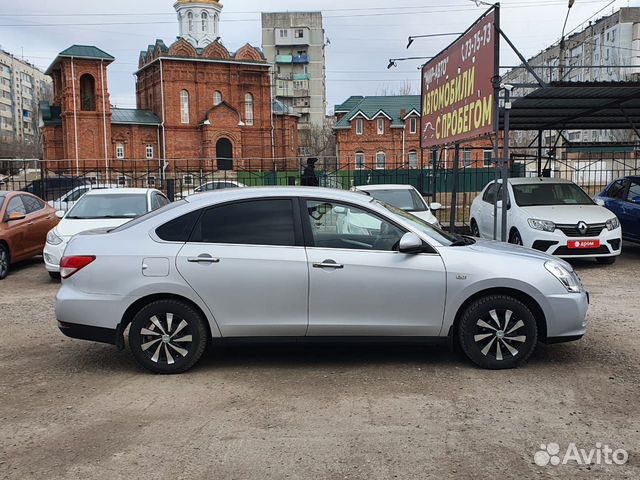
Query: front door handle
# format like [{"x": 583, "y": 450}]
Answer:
[
  {"x": 328, "y": 264},
  {"x": 204, "y": 258}
]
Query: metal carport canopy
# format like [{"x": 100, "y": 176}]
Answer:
[{"x": 577, "y": 106}]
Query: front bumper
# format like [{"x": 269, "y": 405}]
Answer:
[
  {"x": 566, "y": 316},
  {"x": 53, "y": 254},
  {"x": 556, "y": 243}
]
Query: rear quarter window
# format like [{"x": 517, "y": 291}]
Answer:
[{"x": 178, "y": 229}]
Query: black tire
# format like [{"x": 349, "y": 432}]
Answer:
[
  {"x": 606, "y": 260},
  {"x": 489, "y": 343},
  {"x": 515, "y": 238},
  {"x": 55, "y": 275},
  {"x": 5, "y": 261},
  {"x": 475, "y": 230},
  {"x": 153, "y": 333}
]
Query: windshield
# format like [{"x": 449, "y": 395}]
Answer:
[
  {"x": 406, "y": 199},
  {"x": 147, "y": 216},
  {"x": 109, "y": 206},
  {"x": 541, "y": 194},
  {"x": 420, "y": 225}
]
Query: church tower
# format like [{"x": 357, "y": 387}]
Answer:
[{"x": 199, "y": 21}]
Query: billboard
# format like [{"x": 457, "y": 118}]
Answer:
[{"x": 457, "y": 88}]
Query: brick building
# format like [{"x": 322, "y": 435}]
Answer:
[
  {"x": 197, "y": 104},
  {"x": 383, "y": 132}
]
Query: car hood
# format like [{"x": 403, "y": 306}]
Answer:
[
  {"x": 70, "y": 227},
  {"x": 569, "y": 214},
  {"x": 426, "y": 215},
  {"x": 488, "y": 247}
]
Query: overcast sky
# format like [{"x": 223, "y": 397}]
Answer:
[{"x": 364, "y": 34}]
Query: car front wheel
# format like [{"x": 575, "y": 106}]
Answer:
[
  {"x": 4, "y": 261},
  {"x": 167, "y": 336},
  {"x": 497, "y": 332},
  {"x": 515, "y": 238},
  {"x": 475, "y": 230},
  {"x": 606, "y": 260}
]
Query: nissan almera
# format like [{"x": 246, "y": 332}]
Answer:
[{"x": 278, "y": 262}]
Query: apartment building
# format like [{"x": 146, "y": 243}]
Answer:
[
  {"x": 608, "y": 50},
  {"x": 22, "y": 86},
  {"x": 294, "y": 42}
]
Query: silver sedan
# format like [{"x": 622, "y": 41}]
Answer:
[{"x": 279, "y": 262}]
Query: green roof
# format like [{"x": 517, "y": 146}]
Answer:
[
  {"x": 132, "y": 116},
  {"x": 86, "y": 52},
  {"x": 371, "y": 107}
]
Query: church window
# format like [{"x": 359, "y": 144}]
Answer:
[
  {"x": 217, "y": 97},
  {"x": 205, "y": 22},
  {"x": 190, "y": 17},
  {"x": 184, "y": 106},
  {"x": 87, "y": 93},
  {"x": 248, "y": 109}
]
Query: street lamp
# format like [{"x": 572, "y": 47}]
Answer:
[
  {"x": 413, "y": 37},
  {"x": 393, "y": 62},
  {"x": 562, "y": 45}
]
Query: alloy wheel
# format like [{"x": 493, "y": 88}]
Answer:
[
  {"x": 166, "y": 338},
  {"x": 4, "y": 262},
  {"x": 500, "y": 334}
]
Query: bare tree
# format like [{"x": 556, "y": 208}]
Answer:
[
  {"x": 318, "y": 140},
  {"x": 406, "y": 88}
]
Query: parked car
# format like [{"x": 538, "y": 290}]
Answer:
[
  {"x": 95, "y": 210},
  {"x": 69, "y": 199},
  {"x": 54, "y": 187},
  {"x": 271, "y": 262},
  {"x": 405, "y": 197},
  {"x": 622, "y": 197},
  {"x": 25, "y": 222},
  {"x": 551, "y": 215},
  {"x": 212, "y": 186}
]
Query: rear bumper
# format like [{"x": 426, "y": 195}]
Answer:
[{"x": 87, "y": 332}]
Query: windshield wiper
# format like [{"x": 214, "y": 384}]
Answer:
[{"x": 463, "y": 241}]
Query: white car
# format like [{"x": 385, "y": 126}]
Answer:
[
  {"x": 551, "y": 215},
  {"x": 212, "y": 186},
  {"x": 404, "y": 197},
  {"x": 98, "y": 209},
  {"x": 69, "y": 199}
]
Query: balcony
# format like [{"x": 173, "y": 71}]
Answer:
[
  {"x": 300, "y": 59},
  {"x": 300, "y": 76},
  {"x": 301, "y": 92},
  {"x": 284, "y": 59}
]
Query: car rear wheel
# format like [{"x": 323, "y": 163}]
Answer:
[
  {"x": 497, "y": 332},
  {"x": 167, "y": 336},
  {"x": 475, "y": 230},
  {"x": 5, "y": 261},
  {"x": 606, "y": 260}
]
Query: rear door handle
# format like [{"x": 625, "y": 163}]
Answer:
[
  {"x": 204, "y": 258},
  {"x": 328, "y": 264}
]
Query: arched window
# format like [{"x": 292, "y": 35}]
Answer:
[
  {"x": 381, "y": 160},
  {"x": 205, "y": 21},
  {"x": 190, "y": 17},
  {"x": 184, "y": 106},
  {"x": 248, "y": 109},
  {"x": 359, "y": 160},
  {"x": 87, "y": 93},
  {"x": 413, "y": 159},
  {"x": 217, "y": 97}
]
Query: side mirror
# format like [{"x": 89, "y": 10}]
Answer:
[
  {"x": 600, "y": 202},
  {"x": 410, "y": 243},
  {"x": 60, "y": 214},
  {"x": 435, "y": 206},
  {"x": 16, "y": 216}
]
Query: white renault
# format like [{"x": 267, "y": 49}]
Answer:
[
  {"x": 551, "y": 215},
  {"x": 98, "y": 209}
]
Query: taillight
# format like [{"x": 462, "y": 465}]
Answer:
[{"x": 72, "y": 265}]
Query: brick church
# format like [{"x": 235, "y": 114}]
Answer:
[{"x": 197, "y": 102}]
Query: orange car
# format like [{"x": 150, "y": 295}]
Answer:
[{"x": 26, "y": 220}]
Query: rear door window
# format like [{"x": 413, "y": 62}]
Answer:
[
  {"x": 617, "y": 189},
  {"x": 255, "y": 222},
  {"x": 32, "y": 204},
  {"x": 634, "y": 192}
]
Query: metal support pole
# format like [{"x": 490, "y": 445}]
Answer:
[
  {"x": 540, "y": 133},
  {"x": 454, "y": 189},
  {"x": 505, "y": 165}
]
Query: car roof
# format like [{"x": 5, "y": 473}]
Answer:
[
  {"x": 122, "y": 191},
  {"x": 259, "y": 192},
  {"x": 534, "y": 180},
  {"x": 368, "y": 188}
]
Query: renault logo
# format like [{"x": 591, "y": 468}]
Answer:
[{"x": 583, "y": 228}]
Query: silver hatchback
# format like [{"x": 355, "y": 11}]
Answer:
[{"x": 280, "y": 262}]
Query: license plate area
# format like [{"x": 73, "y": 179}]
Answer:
[{"x": 582, "y": 244}]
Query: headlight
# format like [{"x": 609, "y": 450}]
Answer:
[
  {"x": 564, "y": 276},
  {"x": 53, "y": 238},
  {"x": 613, "y": 223},
  {"x": 543, "y": 225}
]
